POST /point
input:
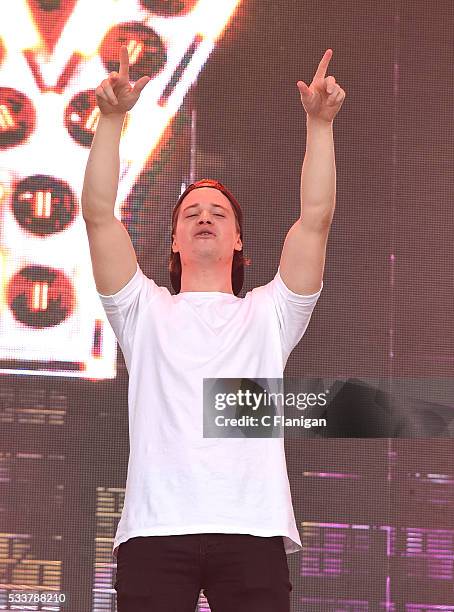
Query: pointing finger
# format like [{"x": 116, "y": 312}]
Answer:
[
  {"x": 124, "y": 62},
  {"x": 323, "y": 65}
]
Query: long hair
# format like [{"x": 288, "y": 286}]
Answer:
[{"x": 238, "y": 260}]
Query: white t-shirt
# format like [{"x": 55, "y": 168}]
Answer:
[{"x": 179, "y": 482}]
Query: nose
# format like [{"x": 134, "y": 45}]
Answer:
[{"x": 204, "y": 216}]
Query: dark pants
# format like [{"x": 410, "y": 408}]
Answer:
[{"x": 237, "y": 572}]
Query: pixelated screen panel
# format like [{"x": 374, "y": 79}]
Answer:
[{"x": 52, "y": 320}]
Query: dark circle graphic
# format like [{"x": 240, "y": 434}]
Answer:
[
  {"x": 44, "y": 205},
  {"x": 17, "y": 117},
  {"x": 80, "y": 117},
  {"x": 168, "y": 8},
  {"x": 147, "y": 52},
  {"x": 40, "y": 297}
]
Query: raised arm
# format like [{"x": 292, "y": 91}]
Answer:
[
  {"x": 112, "y": 254},
  {"x": 303, "y": 255}
]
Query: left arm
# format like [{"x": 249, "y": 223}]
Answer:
[{"x": 303, "y": 255}]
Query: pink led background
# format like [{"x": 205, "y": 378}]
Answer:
[{"x": 375, "y": 515}]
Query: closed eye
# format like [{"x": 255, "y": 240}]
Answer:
[{"x": 194, "y": 215}]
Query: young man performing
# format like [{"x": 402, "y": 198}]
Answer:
[{"x": 205, "y": 513}]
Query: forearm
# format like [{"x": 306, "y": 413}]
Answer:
[
  {"x": 100, "y": 186},
  {"x": 318, "y": 174}
]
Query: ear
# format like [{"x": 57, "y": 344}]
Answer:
[
  {"x": 239, "y": 245},
  {"x": 174, "y": 245}
]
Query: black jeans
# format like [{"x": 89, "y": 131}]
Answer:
[{"x": 237, "y": 572}]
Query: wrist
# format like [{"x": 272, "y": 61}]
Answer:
[
  {"x": 319, "y": 126},
  {"x": 113, "y": 116},
  {"x": 319, "y": 122}
]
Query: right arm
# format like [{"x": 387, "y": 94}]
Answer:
[
  {"x": 113, "y": 258},
  {"x": 112, "y": 254}
]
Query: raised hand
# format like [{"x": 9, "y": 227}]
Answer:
[
  {"x": 115, "y": 94},
  {"x": 324, "y": 97}
]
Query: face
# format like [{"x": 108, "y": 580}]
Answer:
[{"x": 206, "y": 209}]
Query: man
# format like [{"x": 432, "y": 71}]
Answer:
[{"x": 205, "y": 513}]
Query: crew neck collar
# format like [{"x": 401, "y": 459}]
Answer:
[{"x": 206, "y": 293}]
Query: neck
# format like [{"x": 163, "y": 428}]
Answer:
[{"x": 207, "y": 278}]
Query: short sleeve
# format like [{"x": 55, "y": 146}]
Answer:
[
  {"x": 293, "y": 310},
  {"x": 124, "y": 307}
]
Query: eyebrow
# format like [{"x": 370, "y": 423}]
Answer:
[{"x": 197, "y": 204}]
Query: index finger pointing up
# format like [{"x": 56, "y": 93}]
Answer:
[
  {"x": 124, "y": 61},
  {"x": 321, "y": 70}
]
